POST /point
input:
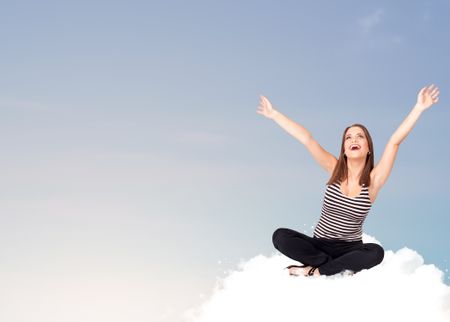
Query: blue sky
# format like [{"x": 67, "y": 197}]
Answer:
[{"x": 132, "y": 148}]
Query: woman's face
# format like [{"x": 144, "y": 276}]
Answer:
[{"x": 355, "y": 143}]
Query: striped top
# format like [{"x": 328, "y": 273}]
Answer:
[{"x": 342, "y": 216}]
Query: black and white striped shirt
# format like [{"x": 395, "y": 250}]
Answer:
[{"x": 342, "y": 216}]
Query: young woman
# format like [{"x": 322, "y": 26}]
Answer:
[{"x": 353, "y": 186}]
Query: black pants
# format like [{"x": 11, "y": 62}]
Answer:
[{"x": 331, "y": 256}]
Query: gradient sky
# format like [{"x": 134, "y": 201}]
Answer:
[{"x": 134, "y": 159}]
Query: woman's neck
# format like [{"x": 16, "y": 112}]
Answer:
[{"x": 354, "y": 170}]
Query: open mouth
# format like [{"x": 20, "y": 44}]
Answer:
[{"x": 354, "y": 147}]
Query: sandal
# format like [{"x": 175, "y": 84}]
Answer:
[
  {"x": 301, "y": 266},
  {"x": 296, "y": 266},
  {"x": 311, "y": 271}
]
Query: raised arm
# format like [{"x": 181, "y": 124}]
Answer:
[
  {"x": 427, "y": 96},
  {"x": 325, "y": 159}
]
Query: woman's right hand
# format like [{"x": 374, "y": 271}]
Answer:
[{"x": 265, "y": 108}]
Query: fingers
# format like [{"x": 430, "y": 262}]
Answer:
[
  {"x": 435, "y": 96},
  {"x": 429, "y": 95},
  {"x": 264, "y": 103},
  {"x": 431, "y": 90},
  {"x": 265, "y": 107},
  {"x": 422, "y": 91},
  {"x": 434, "y": 92},
  {"x": 261, "y": 100},
  {"x": 427, "y": 89},
  {"x": 264, "y": 99},
  {"x": 262, "y": 106}
]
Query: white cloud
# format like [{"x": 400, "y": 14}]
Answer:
[
  {"x": 367, "y": 23},
  {"x": 400, "y": 288}
]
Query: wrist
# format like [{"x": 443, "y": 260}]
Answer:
[
  {"x": 275, "y": 113},
  {"x": 419, "y": 107}
]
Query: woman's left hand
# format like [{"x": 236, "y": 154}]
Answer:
[{"x": 428, "y": 96}]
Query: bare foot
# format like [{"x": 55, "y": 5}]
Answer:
[{"x": 297, "y": 271}]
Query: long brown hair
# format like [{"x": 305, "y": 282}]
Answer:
[{"x": 340, "y": 171}]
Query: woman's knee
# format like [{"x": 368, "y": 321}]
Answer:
[
  {"x": 278, "y": 235},
  {"x": 377, "y": 252}
]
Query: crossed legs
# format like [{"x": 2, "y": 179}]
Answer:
[{"x": 331, "y": 257}]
